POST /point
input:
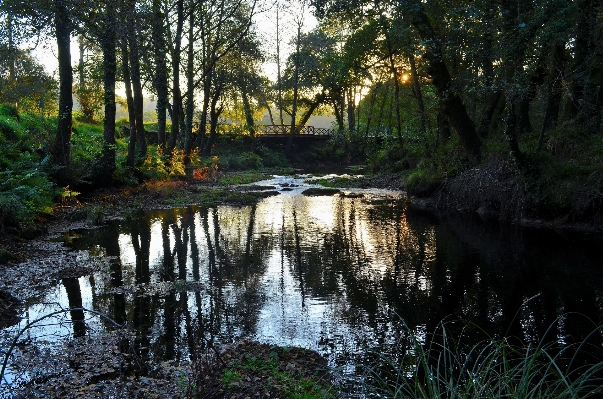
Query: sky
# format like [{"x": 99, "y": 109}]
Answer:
[{"x": 265, "y": 21}]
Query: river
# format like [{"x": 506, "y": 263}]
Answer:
[{"x": 345, "y": 275}]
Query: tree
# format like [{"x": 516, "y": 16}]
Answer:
[
  {"x": 108, "y": 43},
  {"x": 61, "y": 150},
  {"x": 222, "y": 26},
  {"x": 25, "y": 84},
  {"x": 160, "y": 78}
]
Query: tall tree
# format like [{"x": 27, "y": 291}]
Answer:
[
  {"x": 135, "y": 76},
  {"x": 61, "y": 150},
  {"x": 160, "y": 77},
  {"x": 108, "y": 43},
  {"x": 176, "y": 48}
]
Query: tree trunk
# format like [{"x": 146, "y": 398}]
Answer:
[
  {"x": 295, "y": 89},
  {"x": 396, "y": 81},
  {"x": 575, "y": 88},
  {"x": 451, "y": 103},
  {"x": 80, "y": 65},
  {"x": 160, "y": 79},
  {"x": 416, "y": 88},
  {"x": 205, "y": 110},
  {"x": 136, "y": 82},
  {"x": 492, "y": 95},
  {"x": 371, "y": 110},
  {"x": 214, "y": 114},
  {"x": 554, "y": 91},
  {"x": 248, "y": 114},
  {"x": 278, "y": 67},
  {"x": 591, "y": 105},
  {"x": 176, "y": 94},
  {"x": 488, "y": 113},
  {"x": 11, "y": 48},
  {"x": 108, "y": 45},
  {"x": 61, "y": 152},
  {"x": 190, "y": 81},
  {"x": 443, "y": 126},
  {"x": 130, "y": 100},
  {"x": 511, "y": 133},
  {"x": 317, "y": 101},
  {"x": 351, "y": 111},
  {"x": 338, "y": 107}
]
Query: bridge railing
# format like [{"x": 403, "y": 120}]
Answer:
[{"x": 286, "y": 129}]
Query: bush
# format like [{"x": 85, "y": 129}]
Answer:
[
  {"x": 9, "y": 111},
  {"x": 23, "y": 195},
  {"x": 10, "y": 130},
  {"x": 423, "y": 182},
  {"x": 271, "y": 159}
]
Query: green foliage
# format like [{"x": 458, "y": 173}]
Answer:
[
  {"x": 24, "y": 193},
  {"x": 385, "y": 157},
  {"x": 10, "y": 129},
  {"x": 157, "y": 165},
  {"x": 86, "y": 153},
  {"x": 90, "y": 97},
  {"x": 25, "y": 188},
  {"x": 9, "y": 111},
  {"x": 241, "y": 161},
  {"x": 270, "y": 158},
  {"x": 337, "y": 182},
  {"x": 6, "y": 256},
  {"x": 30, "y": 87},
  {"x": 213, "y": 197},
  {"x": 423, "y": 182}
]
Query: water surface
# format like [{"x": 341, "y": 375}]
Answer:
[{"x": 344, "y": 275}]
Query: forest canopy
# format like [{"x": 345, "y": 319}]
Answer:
[{"x": 446, "y": 86}]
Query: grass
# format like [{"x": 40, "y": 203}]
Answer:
[
  {"x": 212, "y": 197},
  {"x": 339, "y": 182},
  {"x": 492, "y": 368},
  {"x": 246, "y": 177},
  {"x": 273, "y": 374}
]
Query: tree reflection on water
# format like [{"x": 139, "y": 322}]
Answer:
[{"x": 339, "y": 275}]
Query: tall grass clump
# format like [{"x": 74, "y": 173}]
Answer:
[{"x": 491, "y": 368}]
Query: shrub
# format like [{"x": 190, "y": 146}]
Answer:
[
  {"x": 423, "y": 182},
  {"x": 9, "y": 111},
  {"x": 23, "y": 195},
  {"x": 10, "y": 129}
]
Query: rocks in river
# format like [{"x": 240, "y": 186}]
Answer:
[
  {"x": 318, "y": 191},
  {"x": 352, "y": 195}
]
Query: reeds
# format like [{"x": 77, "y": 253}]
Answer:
[{"x": 492, "y": 368}]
